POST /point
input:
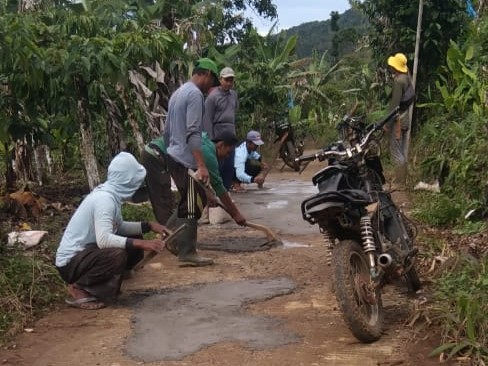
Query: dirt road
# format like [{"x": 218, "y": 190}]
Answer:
[{"x": 271, "y": 307}]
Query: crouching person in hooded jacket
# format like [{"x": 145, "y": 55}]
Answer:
[{"x": 98, "y": 246}]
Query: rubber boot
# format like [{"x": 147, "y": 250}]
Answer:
[
  {"x": 171, "y": 223},
  {"x": 187, "y": 245},
  {"x": 400, "y": 179}
]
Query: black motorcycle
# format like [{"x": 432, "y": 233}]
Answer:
[
  {"x": 370, "y": 242},
  {"x": 289, "y": 148}
]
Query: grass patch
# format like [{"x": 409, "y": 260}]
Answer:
[
  {"x": 29, "y": 284},
  {"x": 436, "y": 209},
  {"x": 137, "y": 212},
  {"x": 461, "y": 308}
]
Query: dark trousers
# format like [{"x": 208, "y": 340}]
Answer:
[
  {"x": 158, "y": 181},
  {"x": 227, "y": 170},
  {"x": 192, "y": 196},
  {"x": 99, "y": 271},
  {"x": 253, "y": 167}
]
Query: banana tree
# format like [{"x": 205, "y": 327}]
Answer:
[
  {"x": 264, "y": 63},
  {"x": 63, "y": 63}
]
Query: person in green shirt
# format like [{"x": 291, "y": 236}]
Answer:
[{"x": 158, "y": 181}]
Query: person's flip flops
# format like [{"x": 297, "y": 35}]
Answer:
[{"x": 86, "y": 303}]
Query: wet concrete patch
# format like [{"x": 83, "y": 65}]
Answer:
[
  {"x": 175, "y": 324},
  {"x": 236, "y": 244}
]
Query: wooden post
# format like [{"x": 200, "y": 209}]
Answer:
[{"x": 414, "y": 75}]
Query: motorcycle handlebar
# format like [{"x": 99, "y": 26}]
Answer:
[{"x": 323, "y": 154}]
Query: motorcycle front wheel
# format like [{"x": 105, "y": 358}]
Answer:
[{"x": 359, "y": 298}]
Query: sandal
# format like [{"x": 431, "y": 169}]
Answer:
[
  {"x": 86, "y": 303},
  {"x": 238, "y": 189}
]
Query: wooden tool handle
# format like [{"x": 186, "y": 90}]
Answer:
[{"x": 172, "y": 236}]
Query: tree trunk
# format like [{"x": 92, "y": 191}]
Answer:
[
  {"x": 132, "y": 118},
  {"x": 115, "y": 131},
  {"x": 42, "y": 159},
  {"x": 23, "y": 161},
  {"x": 87, "y": 146},
  {"x": 10, "y": 176}
]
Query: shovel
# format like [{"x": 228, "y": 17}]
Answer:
[{"x": 271, "y": 237}]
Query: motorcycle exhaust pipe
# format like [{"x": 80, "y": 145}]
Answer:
[{"x": 385, "y": 260}]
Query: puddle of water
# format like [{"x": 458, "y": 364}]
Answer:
[
  {"x": 289, "y": 188},
  {"x": 292, "y": 244},
  {"x": 277, "y": 204}
]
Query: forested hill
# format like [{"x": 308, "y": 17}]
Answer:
[{"x": 319, "y": 36}]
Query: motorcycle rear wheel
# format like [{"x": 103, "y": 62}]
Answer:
[
  {"x": 358, "y": 297},
  {"x": 288, "y": 155}
]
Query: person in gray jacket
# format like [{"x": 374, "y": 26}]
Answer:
[
  {"x": 220, "y": 116},
  {"x": 98, "y": 246},
  {"x": 183, "y": 140}
]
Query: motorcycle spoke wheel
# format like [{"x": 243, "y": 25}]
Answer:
[
  {"x": 358, "y": 297},
  {"x": 288, "y": 155}
]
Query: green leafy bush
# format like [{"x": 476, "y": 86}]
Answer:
[
  {"x": 139, "y": 212},
  {"x": 436, "y": 209},
  {"x": 28, "y": 283},
  {"x": 456, "y": 153},
  {"x": 461, "y": 305}
]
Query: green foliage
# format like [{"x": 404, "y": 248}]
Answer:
[
  {"x": 461, "y": 305},
  {"x": 264, "y": 64},
  {"x": 461, "y": 89},
  {"x": 431, "y": 244},
  {"x": 456, "y": 151},
  {"x": 28, "y": 283},
  {"x": 437, "y": 209},
  {"x": 471, "y": 227},
  {"x": 394, "y": 27},
  {"x": 318, "y": 37},
  {"x": 139, "y": 212},
  {"x": 52, "y": 60}
]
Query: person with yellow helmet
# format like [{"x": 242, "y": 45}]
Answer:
[{"x": 402, "y": 96}]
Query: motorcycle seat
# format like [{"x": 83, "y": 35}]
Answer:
[{"x": 334, "y": 199}]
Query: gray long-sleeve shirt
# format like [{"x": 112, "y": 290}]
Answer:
[
  {"x": 183, "y": 129},
  {"x": 220, "y": 112}
]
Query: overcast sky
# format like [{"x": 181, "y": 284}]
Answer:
[{"x": 295, "y": 12}]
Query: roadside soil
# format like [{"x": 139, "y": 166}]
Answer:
[{"x": 309, "y": 311}]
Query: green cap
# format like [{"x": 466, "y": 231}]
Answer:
[{"x": 208, "y": 64}]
